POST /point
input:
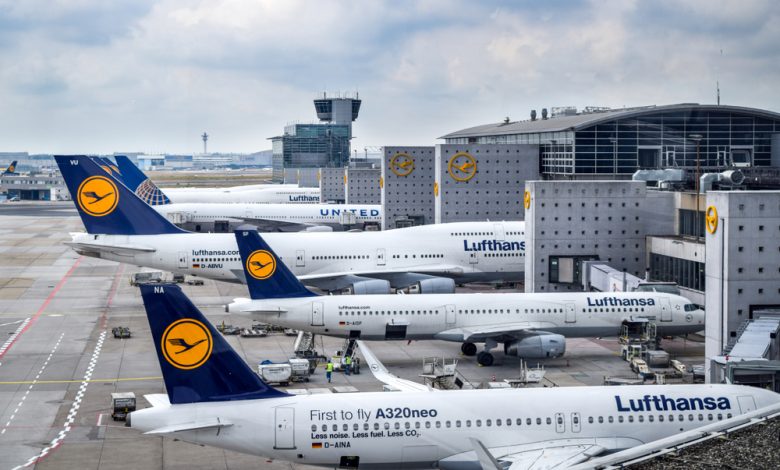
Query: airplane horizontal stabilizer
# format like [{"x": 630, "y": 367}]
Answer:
[
  {"x": 191, "y": 426},
  {"x": 157, "y": 399}
]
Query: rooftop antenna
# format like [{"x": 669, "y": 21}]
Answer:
[
  {"x": 717, "y": 82},
  {"x": 205, "y": 138}
]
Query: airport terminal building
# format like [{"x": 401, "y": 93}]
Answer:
[{"x": 599, "y": 142}]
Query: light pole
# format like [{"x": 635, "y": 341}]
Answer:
[{"x": 697, "y": 138}]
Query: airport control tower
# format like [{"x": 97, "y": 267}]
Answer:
[
  {"x": 320, "y": 145},
  {"x": 341, "y": 110}
]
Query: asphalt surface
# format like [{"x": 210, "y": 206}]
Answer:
[{"x": 59, "y": 363}]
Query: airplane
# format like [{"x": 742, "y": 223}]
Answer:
[
  {"x": 255, "y": 193},
  {"x": 429, "y": 258},
  {"x": 219, "y": 211},
  {"x": 10, "y": 170},
  {"x": 532, "y": 326},
  {"x": 214, "y": 398}
]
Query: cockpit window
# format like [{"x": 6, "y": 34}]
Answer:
[{"x": 691, "y": 307}]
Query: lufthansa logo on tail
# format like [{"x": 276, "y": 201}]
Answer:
[
  {"x": 97, "y": 196},
  {"x": 261, "y": 264},
  {"x": 186, "y": 344}
]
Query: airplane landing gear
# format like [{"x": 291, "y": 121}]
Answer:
[
  {"x": 484, "y": 358},
  {"x": 468, "y": 349}
]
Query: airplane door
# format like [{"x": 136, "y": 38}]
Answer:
[
  {"x": 285, "y": 428},
  {"x": 449, "y": 315},
  {"x": 571, "y": 312},
  {"x": 380, "y": 257},
  {"x": 414, "y": 456},
  {"x": 746, "y": 403},
  {"x": 666, "y": 309},
  {"x": 300, "y": 258},
  {"x": 498, "y": 229},
  {"x": 248, "y": 215},
  {"x": 473, "y": 257},
  {"x": 575, "y": 422},
  {"x": 317, "y": 314},
  {"x": 183, "y": 259},
  {"x": 560, "y": 423}
]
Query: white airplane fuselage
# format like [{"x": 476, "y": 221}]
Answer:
[
  {"x": 419, "y": 429},
  {"x": 262, "y": 193},
  {"x": 304, "y": 214},
  {"x": 464, "y": 251},
  {"x": 452, "y": 318}
]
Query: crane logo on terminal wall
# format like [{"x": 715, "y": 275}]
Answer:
[
  {"x": 711, "y": 220},
  {"x": 462, "y": 167},
  {"x": 261, "y": 264},
  {"x": 186, "y": 344},
  {"x": 97, "y": 196},
  {"x": 527, "y": 199},
  {"x": 402, "y": 164}
]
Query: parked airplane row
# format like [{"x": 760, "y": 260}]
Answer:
[
  {"x": 210, "y": 211},
  {"x": 431, "y": 258},
  {"x": 528, "y": 325},
  {"x": 214, "y": 398},
  {"x": 247, "y": 194}
]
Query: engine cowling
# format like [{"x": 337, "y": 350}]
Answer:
[
  {"x": 539, "y": 346},
  {"x": 434, "y": 285},
  {"x": 369, "y": 286}
]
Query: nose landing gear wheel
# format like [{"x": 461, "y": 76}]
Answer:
[
  {"x": 468, "y": 349},
  {"x": 485, "y": 359}
]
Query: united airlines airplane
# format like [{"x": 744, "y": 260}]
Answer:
[
  {"x": 255, "y": 193},
  {"x": 529, "y": 325},
  {"x": 431, "y": 258},
  {"x": 213, "y": 213},
  {"x": 214, "y": 398}
]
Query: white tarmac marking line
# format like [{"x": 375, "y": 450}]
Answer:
[
  {"x": 74, "y": 408},
  {"x": 11, "y": 323},
  {"x": 46, "y": 363},
  {"x": 16, "y": 333}
]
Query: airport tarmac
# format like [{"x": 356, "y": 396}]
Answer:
[{"x": 59, "y": 362}]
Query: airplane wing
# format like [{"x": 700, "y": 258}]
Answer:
[
  {"x": 383, "y": 375},
  {"x": 476, "y": 334},
  {"x": 215, "y": 423},
  {"x": 560, "y": 454}
]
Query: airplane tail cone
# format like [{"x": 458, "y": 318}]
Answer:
[{"x": 197, "y": 363}]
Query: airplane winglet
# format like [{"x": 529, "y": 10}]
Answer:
[
  {"x": 486, "y": 459},
  {"x": 381, "y": 373}
]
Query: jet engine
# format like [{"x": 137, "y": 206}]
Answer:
[
  {"x": 433, "y": 285},
  {"x": 538, "y": 346},
  {"x": 369, "y": 286}
]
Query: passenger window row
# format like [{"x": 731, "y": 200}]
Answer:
[{"x": 659, "y": 417}]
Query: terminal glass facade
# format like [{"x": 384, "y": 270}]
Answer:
[
  {"x": 684, "y": 272},
  {"x": 718, "y": 137},
  {"x": 310, "y": 146}
]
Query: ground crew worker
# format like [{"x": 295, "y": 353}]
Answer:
[
  {"x": 347, "y": 364},
  {"x": 329, "y": 369}
]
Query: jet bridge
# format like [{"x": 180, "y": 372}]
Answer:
[
  {"x": 599, "y": 276},
  {"x": 753, "y": 357}
]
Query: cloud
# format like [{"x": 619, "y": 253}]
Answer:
[{"x": 93, "y": 76}]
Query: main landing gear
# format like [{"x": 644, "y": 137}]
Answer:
[{"x": 484, "y": 358}]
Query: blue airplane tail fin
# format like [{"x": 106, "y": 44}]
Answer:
[
  {"x": 138, "y": 182},
  {"x": 197, "y": 363},
  {"x": 266, "y": 274},
  {"x": 105, "y": 205},
  {"x": 11, "y": 168},
  {"x": 109, "y": 167}
]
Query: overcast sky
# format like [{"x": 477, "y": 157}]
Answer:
[{"x": 96, "y": 76}]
